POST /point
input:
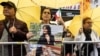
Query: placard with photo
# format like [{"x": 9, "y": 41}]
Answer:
[{"x": 48, "y": 41}]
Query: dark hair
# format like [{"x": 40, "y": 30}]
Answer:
[
  {"x": 85, "y": 19},
  {"x": 9, "y": 3},
  {"x": 48, "y": 28},
  {"x": 42, "y": 9}
]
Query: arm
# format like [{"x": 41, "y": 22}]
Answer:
[
  {"x": 22, "y": 32},
  {"x": 79, "y": 35},
  {"x": 77, "y": 38},
  {"x": 60, "y": 21}
]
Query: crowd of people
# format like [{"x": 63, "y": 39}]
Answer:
[{"x": 14, "y": 30}]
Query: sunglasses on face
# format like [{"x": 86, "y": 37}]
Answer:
[
  {"x": 47, "y": 12},
  {"x": 9, "y": 7},
  {"x": 89, "y": 22}
]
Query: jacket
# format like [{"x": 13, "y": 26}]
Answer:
[
  {"x": 20, "y": 36},
  {"x": 94, "y": 37}
]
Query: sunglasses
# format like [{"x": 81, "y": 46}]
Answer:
[
  {"x": 89, "y": 22},
  {"x": 47, "y": 12}
]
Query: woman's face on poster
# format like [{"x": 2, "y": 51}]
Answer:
[
  {"x": 46, "y": 15},
  {"x": 45, "y": 31}
]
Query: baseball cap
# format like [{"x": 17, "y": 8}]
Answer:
[{"x": 9, "y": 3}]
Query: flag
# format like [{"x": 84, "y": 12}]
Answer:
[
  {"x": 58, "y": 14},
  {"x": 56, "y": 17}
]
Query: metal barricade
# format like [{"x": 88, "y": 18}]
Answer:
[
  {"x": 4, "y": 46},
  {"x": 78, "y": 43}
]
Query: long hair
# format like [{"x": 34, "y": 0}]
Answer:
[{"x": 48, "y": 29}]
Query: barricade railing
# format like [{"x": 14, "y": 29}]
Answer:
[
  {"x": 74, "y": 43},
  {"x": 4, "y": 47},
  {"x": 76, "y": 46}
]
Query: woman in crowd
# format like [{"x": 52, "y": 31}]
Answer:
[{"x": 46, "y": 17}]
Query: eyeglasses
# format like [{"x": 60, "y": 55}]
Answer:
[
  {"x": 47, "y": 12},
  {"x": 9, "y": 7},
  {"x": 89, "y": 22}
]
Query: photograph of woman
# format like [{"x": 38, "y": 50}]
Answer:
[{"x": 45, "y": 39}]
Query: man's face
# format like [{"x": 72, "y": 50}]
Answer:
[
  {"x": 87, "y": 24},
  {"x": 8, "y": 11}
]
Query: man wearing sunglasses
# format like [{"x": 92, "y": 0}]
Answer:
[
  {"x": 12, "y": 30},
  {"x": 87, "y": 34}
]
